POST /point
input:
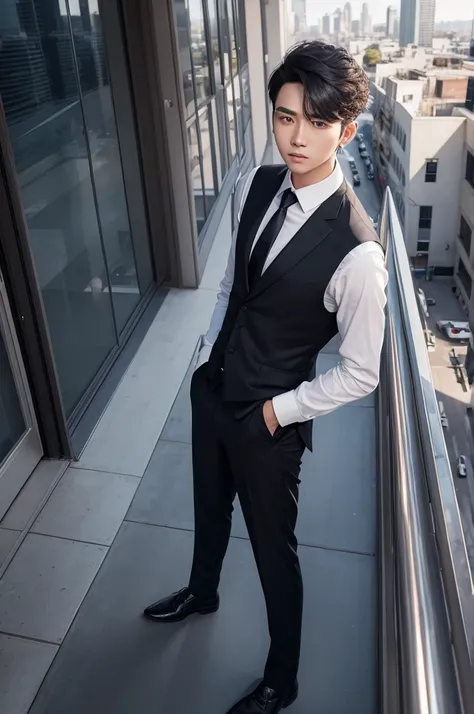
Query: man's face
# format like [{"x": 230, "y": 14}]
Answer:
[{"x": 305, "y": 145}]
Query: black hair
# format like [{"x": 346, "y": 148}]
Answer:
[{"x": 335, "y": 87}]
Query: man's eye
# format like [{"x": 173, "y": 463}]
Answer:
[
  {"x": 286, "y": 120},
  {"x": 319, "y": 124}
]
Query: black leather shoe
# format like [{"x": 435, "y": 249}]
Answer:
[
  {"x": 179, "y": 605},
  {"x": 265, "y": 699}
]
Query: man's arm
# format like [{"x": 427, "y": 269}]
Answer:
[
  {"x": 225, "y": 287},
  {"x": 360, "y": 299}
]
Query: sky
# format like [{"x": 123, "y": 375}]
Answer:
[{"x": 445, "y": 9}]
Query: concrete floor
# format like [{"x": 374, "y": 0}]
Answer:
[{"x": 114, "y": 533}]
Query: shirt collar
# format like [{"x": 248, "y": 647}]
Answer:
[{"x": 311, "y": 197}]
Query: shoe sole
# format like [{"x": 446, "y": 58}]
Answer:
[{"x": 207, "y": 611}]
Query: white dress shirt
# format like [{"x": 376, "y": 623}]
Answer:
[{"x": 356, "y": 292}]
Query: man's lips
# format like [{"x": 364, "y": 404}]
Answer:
[{"x": 298, "y": 156}]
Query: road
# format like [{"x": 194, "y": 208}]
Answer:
[
  {"x": 366, "y": 191},
  {"x": 458, "y": 436}
]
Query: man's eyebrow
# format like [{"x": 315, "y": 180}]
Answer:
[{"x": 284, "y": 110}]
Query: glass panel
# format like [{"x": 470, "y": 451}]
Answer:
[
  {"x": 225, "y": 39},
  {"x": 105, "y": 159},
  {"x": 12, "y": 424},
  {"x": 243, "y": 53},
  {"x": 196, "y": 176},
  {"x": 232, "y": 39},
  {"x": 239, "y": 114},
  {"x": 184, "y": 46},
  {"x": 245, "y": 95},
  {"x": 214, "y": 39},
  {"x": 46, "y": 127},
  {"x": 207, "y": 148},
  {"x": 219, "y": 153},
  {"x": 199, "y": 52},
  {"x": 229, "y": 100}
]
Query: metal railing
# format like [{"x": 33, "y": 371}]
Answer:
[{"x": 426, "y": 642}]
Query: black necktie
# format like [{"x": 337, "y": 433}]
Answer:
[{"x": 268, "y": 237}]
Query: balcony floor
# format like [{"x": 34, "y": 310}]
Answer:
[{"x": 112, "y": 660}]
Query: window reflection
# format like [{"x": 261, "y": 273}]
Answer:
[
  {"x": 196, "y": 176},
  {"x": 122, "y": 279},
  {"x": 184, "y": 45},
  {"x": 231, "y": 121},
  {"x": 12, "y": 424},
  {"x": 214, "y": 39},
  {"x": 245, "y": 99},
  {"x": 207, "y": 142},
  {"x": 39, "y": 78},
  {"x": 202, "y": 78},
  {"x": 239, "y": 113},
  {"x": 232, "y": 38}
]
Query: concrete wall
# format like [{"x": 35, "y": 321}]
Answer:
[
  {"x": 280, "y": 28},
  {"x": 258, "y": 91}
]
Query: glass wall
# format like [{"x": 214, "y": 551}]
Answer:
[
  {"x": 12, "y": 424},
  {"x": 57, "y": 95},
  {"x": 214, "y": 65}
]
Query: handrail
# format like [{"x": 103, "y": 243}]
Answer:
[{"x": 426, "y": 601}]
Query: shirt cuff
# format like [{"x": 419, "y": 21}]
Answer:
[
  {"x": 286, "y": 409},
  {"x": 203, "y": 356}
]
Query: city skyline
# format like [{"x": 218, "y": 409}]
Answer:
[{"x": 445, "y": 9}]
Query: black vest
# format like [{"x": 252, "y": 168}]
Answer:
[{"x": 272, "y": 334}]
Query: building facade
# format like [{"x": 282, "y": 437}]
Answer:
[
  {"x": 123, "y": 129},
  {"x": 418, "y": 153},
  {"x": 417, "y": 18},
  {"x": 464, "y": 272}
]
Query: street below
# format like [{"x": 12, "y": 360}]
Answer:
[{"x": 458, "y": 434}]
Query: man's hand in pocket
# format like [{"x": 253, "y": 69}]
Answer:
[{"x": 270, "y": 417}]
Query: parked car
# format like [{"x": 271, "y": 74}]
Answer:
[
  {"x": 356, "y": 178},
  {"x": 362, "y": 147},
  {"x": 351, "y": 161},
  {"x": 442, "y": 413},
  {"x": 423, "y": 302},
  {"x": 454, "y": 330},
  {"x": 360, "y": 137},
  {"x": 368, "y": 162},
  {"x": 430, "y": 340},
  {"x": 364, "y": 155},
  {"x": 370, "y": 174},
  {"x": 461, "y": 467}
]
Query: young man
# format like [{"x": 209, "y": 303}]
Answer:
[{"x": 305, "y": 263}]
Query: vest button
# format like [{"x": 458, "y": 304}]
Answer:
[
  {"x": 245, "y": 308},
  {"x": 230, "y": 350}
]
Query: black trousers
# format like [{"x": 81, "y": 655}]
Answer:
[{"x": 241, "y": 456}]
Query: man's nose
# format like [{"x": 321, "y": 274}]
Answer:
[{"x": 298, "y": 138}]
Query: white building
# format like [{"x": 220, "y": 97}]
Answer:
[{"x": 418, "y": 150}]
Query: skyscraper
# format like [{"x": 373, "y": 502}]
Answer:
[
  {"x": 417, "y": 22},
  {"x": 427, "y": 22},
  {"x": 391, "y": 17},
  {"x": 327, "y": 24},
  {"x": 299, "y": 8},
  {"x": 338, "y": 20},
  {"x": 365, "y": 20},
  {"x": 348, "y": 18}
]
